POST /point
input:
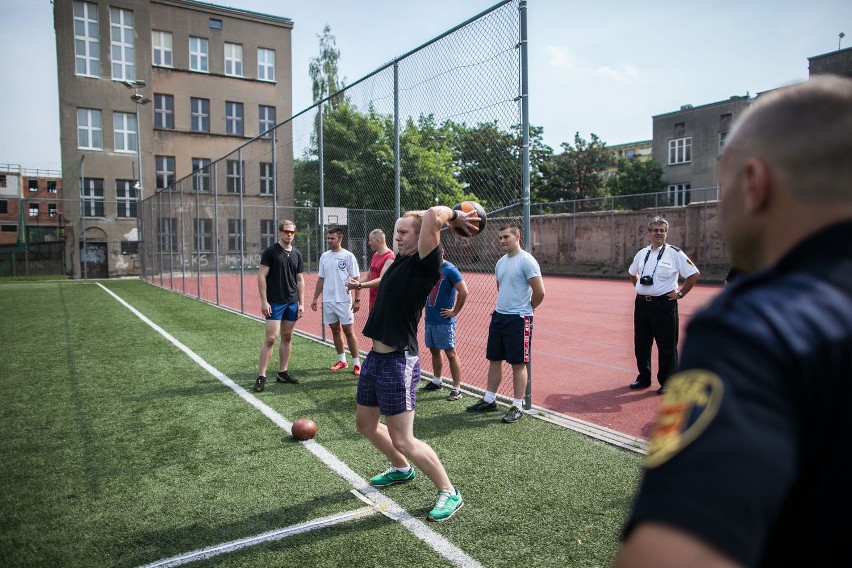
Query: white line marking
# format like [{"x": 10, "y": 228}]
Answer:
[{"x": 417, "y": 527}]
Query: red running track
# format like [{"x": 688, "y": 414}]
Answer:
[{"x": 582, "y": 354}]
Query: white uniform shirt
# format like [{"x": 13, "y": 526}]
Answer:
[
  {"x": 336, "y": 268},
  {"x": 666, "y": 268}
]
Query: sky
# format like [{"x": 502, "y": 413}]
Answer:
[{"x": 604, "y": 67}]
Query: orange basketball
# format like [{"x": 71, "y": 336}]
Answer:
[
  {"x": 468, "y": 206},
  {"x": 304, "y": 429}
]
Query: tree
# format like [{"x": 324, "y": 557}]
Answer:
[
  {"x": 636, "y": 177},
  {"x": 576, "y": 172},
  {"x": 323, "y": 68}
]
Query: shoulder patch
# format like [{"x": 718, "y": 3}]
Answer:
[
  {"x": 691, "y": 402},
  {"x": 689, "y": 260}
]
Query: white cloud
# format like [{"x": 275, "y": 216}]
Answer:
[
  {"x": 560, "y": 57},
  {"x": 625, "y": 74}
]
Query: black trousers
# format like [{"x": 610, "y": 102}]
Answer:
[{"x": 655, "y": 320}]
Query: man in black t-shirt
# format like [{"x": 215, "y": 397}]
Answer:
[
  {"x": 281, "y": 288},
  {"x": 390, "y": 373},
  {"x": 749, "y": 463}
]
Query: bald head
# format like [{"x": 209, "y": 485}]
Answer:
[{"x": 804, "y": 132}]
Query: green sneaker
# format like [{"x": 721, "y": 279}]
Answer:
[
  {"x": 446, "y": 506},
  {"x": 392, "y": 476}
]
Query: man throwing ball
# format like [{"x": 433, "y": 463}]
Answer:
[{"x": 390, "y": 373}]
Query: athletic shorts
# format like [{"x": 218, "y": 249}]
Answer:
[
  {"x": 509, "y": 338},
  {"x": 288, "y": 311},
  {"x": 333, "y": 312},
  {"x": 440, "y": 336},
  {"x": 389, "y": 381}
]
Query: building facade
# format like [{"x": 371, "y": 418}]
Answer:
[
  {"x": 149, "y": 92},
  {"x": 31, "y": 205}
]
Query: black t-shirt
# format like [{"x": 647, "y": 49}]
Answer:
[
  {"x": 400, "y": 300},
  {"x": 752, "y": 449},
  {"x": 283, "y": 268}
]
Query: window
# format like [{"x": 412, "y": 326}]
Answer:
[
  {"x": 215, "y": 24},
  {"x": 122, "y": 48},
  {"x": 265, "y": 64},
  {"x": 4, "y": 207},
  {"x": 32, "y": 184},
  {"x": 199, "y": 115},
  {"x": 86, "y": 43},
  {"x": 89, "y": 129},
  {"x": 198, "y": 54},
  {"x": 125, "y": 198},
  {"x": 268, "y": 233},
  {"x": 680, "y": 194},
  {"x": 680, "y": 151},
  {"x": 266, "y": 178},
  {"x": 9, "y": 228},
  {"x": 33, "y": 209},
  {"x": 165, "y": 171},
  {"x": 124, "y": 129},
  {"x": 168, "y": 233},
  {"x": 51, "y": 210},
  {"x": 236, "y": 228},
  {"x": 201, "y": 175},
  {"x": 679, "y": 130},
  {"x": 267, "y": 120},
  {"x": 129, "y": 247},
  {"x": 233, "y": 59},
  {"x": 722, "y": 137},
  {"x": 161, "y": 49},
  {"x": 2, "y": 180},
  {"x": 233, "y": 118},
  {"x": 164, "y": 111},
  {"x": 51, "y": 186},
  {"x": 204, "y": 234},
  {"x": 234, "y": 176},
  {"x": 92, "y": 197}
]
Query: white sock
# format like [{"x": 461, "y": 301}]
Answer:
[
  {"x": 356, "y": 361},
  {"x": 437, "y": 380},
  {"x": 341, "y": 357},
  {"x": 490, "y": 397},
  {"x": 517, "y": 402},
  {"x": 403, "y": 469}
]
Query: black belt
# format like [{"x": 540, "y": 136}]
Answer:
[{"x": 652, "y": 298}]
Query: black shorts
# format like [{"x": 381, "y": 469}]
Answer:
[{"x": 509, "y": 338}]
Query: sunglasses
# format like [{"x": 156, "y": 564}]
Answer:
[{"x": 288, "y": 232}]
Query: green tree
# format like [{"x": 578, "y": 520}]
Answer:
[
  {"x": 635, "y": 177},
  {"x": 576, "y": 172},
  {"x": 323, "y": 68}
]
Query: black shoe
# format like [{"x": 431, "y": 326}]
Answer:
[
  {"x": 260, "y": 384},
  {"x": 286, "y": 377},
  {"x": 482, "y": 406},
  {"x": 636, "y": 385},
  {"x": 513, "y": 415},
  {"x": 661, "y": 390},
  {"x": 430, "y": 386}
]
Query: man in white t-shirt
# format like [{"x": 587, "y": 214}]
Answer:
[
  {"x": 336, "y": 266},
  {"x": 520, "y": 290}
]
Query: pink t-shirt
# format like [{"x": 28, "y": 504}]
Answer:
[{"x": 377, "y": 262}]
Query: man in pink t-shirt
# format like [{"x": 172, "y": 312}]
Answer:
[{"x": 382, "y": 258}]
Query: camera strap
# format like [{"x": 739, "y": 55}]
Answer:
[{"x": 659, "y": 256}]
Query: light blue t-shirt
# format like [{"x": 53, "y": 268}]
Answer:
[{"x": 513, "y": 275}]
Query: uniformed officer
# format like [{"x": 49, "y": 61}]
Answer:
[
  {"x": 750, "y": 461},
  {"x": 655, "y": 272}
]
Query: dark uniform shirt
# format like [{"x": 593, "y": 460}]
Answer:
[
  {"x": 399, "y": 303},
  {"x": 283, "y": 268},
  {"x": 752, "y": 450}
]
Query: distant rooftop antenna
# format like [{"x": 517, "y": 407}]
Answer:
[{"x": 839, "y": 39}]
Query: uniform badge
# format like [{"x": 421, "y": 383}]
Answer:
[
  {"x": 689, "y": 260},
  {"x": 691, "y": 402}
]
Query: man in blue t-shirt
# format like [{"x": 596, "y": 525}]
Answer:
[
  {"x": 443, "y": 304},
  {"x": 520, "y": 290}
]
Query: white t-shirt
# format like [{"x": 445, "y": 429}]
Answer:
[
  {"x": 513, "y": 274},
  {"x": 672, "y": 263},
  {"x": 336, "y": 268}
]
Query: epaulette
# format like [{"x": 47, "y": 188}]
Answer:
[{"x": 675, "y": 248}]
